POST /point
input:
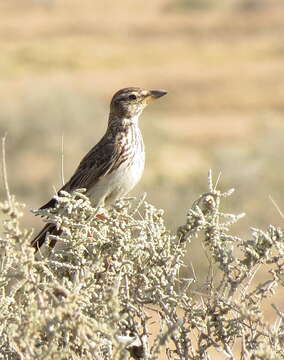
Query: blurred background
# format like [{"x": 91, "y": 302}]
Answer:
[{"x": 222, "y": 63}]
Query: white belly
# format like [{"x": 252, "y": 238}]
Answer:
[{"x": 118, "y": 183}]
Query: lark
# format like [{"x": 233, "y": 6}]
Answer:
[{"x": 116, "y": 163}]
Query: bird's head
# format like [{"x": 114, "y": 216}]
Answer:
[{"x": 129, "y": 103}]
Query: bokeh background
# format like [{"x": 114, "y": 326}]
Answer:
[{"x": 221, "y": 61}]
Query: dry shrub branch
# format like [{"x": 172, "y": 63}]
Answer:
[{"x": 93, "y": 298}]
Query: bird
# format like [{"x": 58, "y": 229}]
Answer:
[{"x": 111, "y": 169}]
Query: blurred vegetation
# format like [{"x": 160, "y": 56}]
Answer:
[
  {"x": 244, "y": 5},
  {"x": 196, "y": 4}
]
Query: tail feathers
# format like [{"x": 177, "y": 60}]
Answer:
[
  {"x": 50, "y": 204},
  {"x": 41, "y": 236}
]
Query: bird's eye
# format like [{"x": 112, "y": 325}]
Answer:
[{"x": 132, "y": 97}]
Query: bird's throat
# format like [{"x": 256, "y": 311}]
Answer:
[{"x": 123, "y": 123}]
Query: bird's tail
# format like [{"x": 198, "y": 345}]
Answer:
[{"x": 40, "y": 238}]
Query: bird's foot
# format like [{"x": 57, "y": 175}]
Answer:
[{"x": 101, "y": 216}]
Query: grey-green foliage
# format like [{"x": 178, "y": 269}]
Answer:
[
  {"x": 205, "y": 5},
  {"x": 196, "y": 4},
  {"x": 95, "y": 297}
]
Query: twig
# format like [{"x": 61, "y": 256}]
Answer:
[
  {"x": 276, "y": 206},
  {"x": 217, "y": 181},
  {"x": 62, "y": 160},
  {"x": 4, "y": 170},
  {"x": 210, "y": 180}
]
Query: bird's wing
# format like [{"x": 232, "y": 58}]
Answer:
[{"x": 99, "y": 161}]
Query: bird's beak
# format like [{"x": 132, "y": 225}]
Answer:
[{"x": 155, "y": 94}]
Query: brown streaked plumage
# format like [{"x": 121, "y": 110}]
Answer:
[{"x": 116, "y": 163}]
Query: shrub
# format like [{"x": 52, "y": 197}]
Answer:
[{"x": 96, "y": 297}]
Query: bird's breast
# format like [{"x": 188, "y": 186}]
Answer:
[
  {"x": 128, "y": 174},
  {"x": 124, "y": 176}
]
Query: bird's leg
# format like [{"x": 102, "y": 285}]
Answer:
[{"x": 101, "y": 216}]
